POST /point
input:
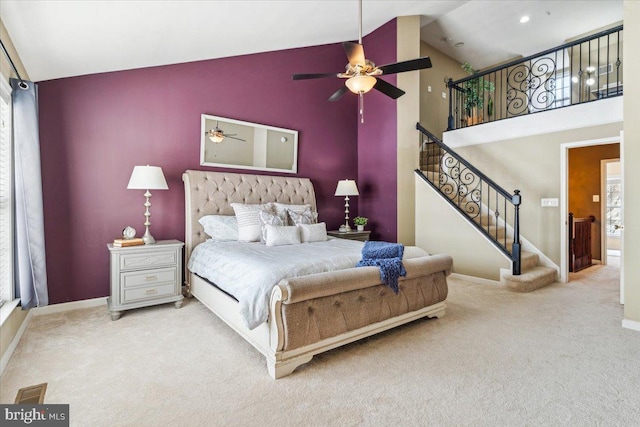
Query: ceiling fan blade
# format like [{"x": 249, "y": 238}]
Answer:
[
  {"x": 233, "y": 137},
  {"x": 411, "y": 65},
  {"x": 338, "y": 94},
  {"x": 313, "y": 76},
  {"x": 355, "y": 53},
  {"x": 388, "y": 89}
]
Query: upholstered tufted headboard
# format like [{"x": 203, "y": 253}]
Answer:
[{"x": 211, "y": 193}]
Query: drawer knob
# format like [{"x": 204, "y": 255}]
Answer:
[
  {"x": 150, "y": 291},
  {"x": 150, "y": 278}
]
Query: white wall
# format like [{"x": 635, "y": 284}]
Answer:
[{"x": 631, "y": 160}]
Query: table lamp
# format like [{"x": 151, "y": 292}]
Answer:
[
  {"x": 147, "y": 178},
  {"x": 346, "y": 188}
]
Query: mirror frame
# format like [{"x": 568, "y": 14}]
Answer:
[{"x": 204, "y": 140}]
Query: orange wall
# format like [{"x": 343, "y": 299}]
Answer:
[{"x": 584, "y": 183}]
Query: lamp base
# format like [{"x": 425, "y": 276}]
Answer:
[
  {"x": 148, "y": 238},
  {"x": 344, "y": 228}
]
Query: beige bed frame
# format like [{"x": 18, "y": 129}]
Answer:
[{"x": 311, "y": 314}]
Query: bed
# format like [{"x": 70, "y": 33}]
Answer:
[{"x": 314, "y": 313}]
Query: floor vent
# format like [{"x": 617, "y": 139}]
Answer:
[{"x": 33, "y": 395}]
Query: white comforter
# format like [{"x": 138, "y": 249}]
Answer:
[{"x": 249, "y": 271}]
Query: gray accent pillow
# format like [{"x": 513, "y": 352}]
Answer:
[
  {"x": 268, "y": 217},
  {"x": 303, "y": 217}
]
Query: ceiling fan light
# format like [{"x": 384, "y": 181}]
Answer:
[
  {"x": 361, "y": 83},
  {"x": 215, "y": 137}
]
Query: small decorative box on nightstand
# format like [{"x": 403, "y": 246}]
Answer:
[
  {"x": 363, "y": 236},
  {"x": 145, "y": 275}
]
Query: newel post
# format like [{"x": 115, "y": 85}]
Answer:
[
  {"x": 515, "y": 250},
  {"x": 450, "y": 122}
]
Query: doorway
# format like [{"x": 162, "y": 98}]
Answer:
[{"x": 584, "y": 194}]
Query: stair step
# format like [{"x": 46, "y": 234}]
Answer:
[
  {"x": 485, "y": 220},
  {"x": 528, "y": 260},
  {"x": 535, "y": 278}
]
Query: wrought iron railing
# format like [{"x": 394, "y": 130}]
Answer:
[
  {"x": 491, "y": 209},
  {"x": 581, "y": 71}
]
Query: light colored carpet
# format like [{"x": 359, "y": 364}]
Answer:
[{"x": 556, "y": 356}]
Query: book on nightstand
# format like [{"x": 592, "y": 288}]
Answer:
[{"x": 123, "y": 243}]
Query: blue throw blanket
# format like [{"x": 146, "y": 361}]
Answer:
[{"x": 387, "y": 257}]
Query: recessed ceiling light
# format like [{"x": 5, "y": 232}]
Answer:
[
  {"x": 459, "y": 44},
  {"x": 524, "y": 19}
]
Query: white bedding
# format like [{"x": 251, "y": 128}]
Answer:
[{"x": 249, "y": 271}]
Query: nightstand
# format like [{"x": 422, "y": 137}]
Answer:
[
  {"x": 145, "y": 275},
  {"x": 363, "y": 236}
]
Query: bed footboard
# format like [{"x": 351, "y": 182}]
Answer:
[{"x": 315, "y": 313}]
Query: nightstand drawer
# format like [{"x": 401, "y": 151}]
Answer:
[
  {"x": 148, "y": 277},
  {"x": 146, "y": 260},
  {"x": 148, "y": 292}
]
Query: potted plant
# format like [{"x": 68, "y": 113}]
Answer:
[
  {"x": 475, "y": 93},
  {"x": 360, "y": 222}
]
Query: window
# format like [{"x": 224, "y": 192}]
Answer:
[
  {"x": 614, "y": 206},
  {"x": 6, "y": 208}
]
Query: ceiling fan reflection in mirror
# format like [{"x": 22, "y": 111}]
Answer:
[
  {"x": 217, "y": 135},
  {"x": 363, "y": 75}
]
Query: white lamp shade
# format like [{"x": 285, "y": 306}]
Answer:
[
  {"x": 347, "y": 187},
  {"x": 147, "y": 178},
  {"x": 361, "y": 83}
]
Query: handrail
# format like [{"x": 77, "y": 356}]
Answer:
[
  {"x": 536, "y": 55},
  {"x": 477, "y": 197},
  {"x": 584, "y": 70},
  {"x": 462, "y": 160}
]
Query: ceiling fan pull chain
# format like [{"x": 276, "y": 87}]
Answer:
[{"x": 361, "y": 107}]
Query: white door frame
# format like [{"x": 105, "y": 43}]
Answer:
[{"x": 564, "y": 194}]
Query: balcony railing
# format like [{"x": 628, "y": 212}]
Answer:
[{"x": 581, "y": 71}]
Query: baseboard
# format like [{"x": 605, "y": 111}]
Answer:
[
  {"x": 479, "y": 280},
  {"x": 68, "y": 306},
  {"x": 14, "y": 343},
  {"x": 631, "y": 324}
]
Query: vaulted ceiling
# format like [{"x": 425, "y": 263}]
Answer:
[{"x": 65, "y": 38}]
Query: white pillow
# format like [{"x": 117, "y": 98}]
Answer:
[
  {"x": 248, "y": 217},
  {"x": 220, "y": 227},
  {"x": 285, "y": 235},
  {"x": 313, "y": 232}
]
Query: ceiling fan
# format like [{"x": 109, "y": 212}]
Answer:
[
  {"x": 361, "y": 73},
  {"x": 217, "y": 135}
]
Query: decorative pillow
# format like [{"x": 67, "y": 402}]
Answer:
[
  {"x": 284, "y": 235},
  {"x": 220, "y": 227},
  {"x": 304, "y": 217},
  {"x": 313, "y": 232},
  {"x": 268, "y": 217},
  {"x": 248, "y": 216},
  {"x": 282, "y": 210}
]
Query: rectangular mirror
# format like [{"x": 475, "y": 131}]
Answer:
[{"x": 236, "y": 144}]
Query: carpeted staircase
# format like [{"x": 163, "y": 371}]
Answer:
[{"x": 533, "y": 275}]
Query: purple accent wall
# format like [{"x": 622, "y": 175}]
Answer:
[
  {"x": 94, "y": 129},
  {"x": 377, "y": 143}
]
